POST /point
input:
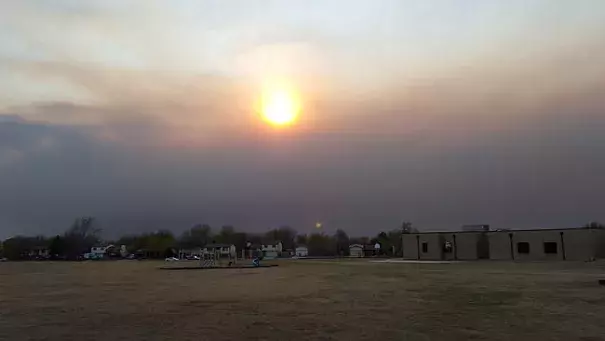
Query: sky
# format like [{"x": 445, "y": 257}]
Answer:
[{"x": 439, "y": 112}]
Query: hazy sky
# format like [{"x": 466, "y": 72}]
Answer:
[{"x": 443, "y": 113}]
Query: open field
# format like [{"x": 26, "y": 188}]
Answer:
[{"x": 304, "y": 300}]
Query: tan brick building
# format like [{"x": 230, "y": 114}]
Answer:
[
  {"x": 555, "y": 244},
  {"x": 532, "y": 245}
]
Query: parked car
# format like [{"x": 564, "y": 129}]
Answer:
[
  {"x": 3, "y": 259},
  {"x": 171, "y": 259}
]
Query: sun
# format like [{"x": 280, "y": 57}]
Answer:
[{"x": 280, "y": 107}]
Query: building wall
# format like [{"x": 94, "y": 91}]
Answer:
[
  {"x": 466, "y": 246},
  {"x": 580, "y": 244},
  {"x": 583, "y": 244},
  {"x": 409, "y": 245},
  {"x": 601, "y": 244},
  {"x": 356, "y": 252},
  {"x": 499, "y": 245},
  {"x": 434, "y": 241},
  {"x": 302, "y": 251},
  {"x": 571, "y": 244},
  {"x": 447, "y": 237},
  {"x": 536, "y": 240}
]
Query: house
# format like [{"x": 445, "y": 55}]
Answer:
[
  {"x": 39, "y": 252},
  {"x": 370, "y": 250},
  {"x": 190, "y": 253},
  {"x": 224, "y": 250},
  {"x": 98, "y": 252},
  {"x": 301, "y": 251},
  {"x": 112, "y": 251},
  {"x": 538, "y": 244},
  {"x": 356, "y": 250},
  {"x": 271, "y": 251}
]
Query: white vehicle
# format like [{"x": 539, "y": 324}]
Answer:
[{"x": 171, "y": 259}]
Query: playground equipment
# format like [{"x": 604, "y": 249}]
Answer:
[{"x": 216, "y": 260}]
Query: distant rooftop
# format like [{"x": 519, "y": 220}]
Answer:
[{"x": 510, "y": 230}]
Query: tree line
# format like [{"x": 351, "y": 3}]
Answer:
[{"x": 84, "y": 234}]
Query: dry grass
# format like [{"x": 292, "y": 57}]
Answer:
[{"x": 305, "y": 300}]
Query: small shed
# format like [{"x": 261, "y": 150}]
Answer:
[
  {"x": 301, "y": 251},
  {"x": 356, "y": 250},
  {"x": 271, "y": 251}
]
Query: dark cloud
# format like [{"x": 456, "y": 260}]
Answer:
[
  {"x": 547, "y": 173},
  {"x": 163, "y": 151}
]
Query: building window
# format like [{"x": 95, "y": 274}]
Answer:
[
  {"x": 550, "y": 247},
  {"x": 523, "y": 247},
  {"x": 425, "y": 247}
]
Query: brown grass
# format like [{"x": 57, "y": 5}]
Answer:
[{"x": 304, "y": 300}]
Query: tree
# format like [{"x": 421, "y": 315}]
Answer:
[
  {"x": 284, "y": 234},
  {"x": 81, "y": 236},
  {"x": 129, "y": 241},
  {"x": 161, "y": 240},
  {"x": 342, "y": 242},
  {"x": 201, "y": 234},
  {"x": 320, "y": 244},
  {"x": 240, "y": 239},
  {"x": 255, "y": 238},
  {"x": 19, "y": 247},
  {"x": 197, "y": 236},
  {"x": 15, "y": 248},
  {"x": 396, "y": 243},
  {"x": 359, "y": 240},
  {"x": 301, "y": 240},
  {"x": 225, "y": 236},
  {"x": 406, "y": 227},
  {"x": 385, "y": 243},
  {"x": 57, "y": 246}
]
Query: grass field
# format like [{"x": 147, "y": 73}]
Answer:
[{"x": 303, "y": 300}]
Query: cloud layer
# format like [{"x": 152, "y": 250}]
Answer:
[{"x": 144, "y": 118}]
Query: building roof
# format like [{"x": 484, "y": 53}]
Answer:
[
  {"x": 509, "y": 230},
  {"x": 476, "y": 227}
]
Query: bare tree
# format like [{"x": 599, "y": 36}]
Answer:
[
  {"x": 406, "y": 227},
  {"x": 81, "y": 236}
]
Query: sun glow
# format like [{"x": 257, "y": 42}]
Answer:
[{"x": 280, "y": 107}]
